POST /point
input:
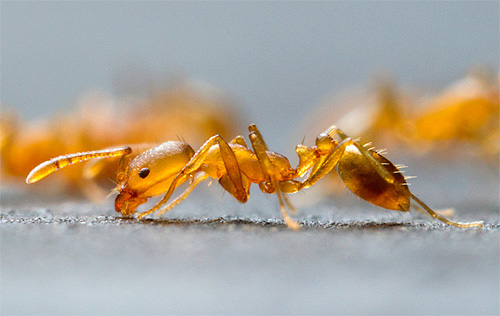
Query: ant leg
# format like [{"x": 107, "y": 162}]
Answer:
[
  {"x": 259, "y": 147},
  {"x": 228, "y": 157},
  {"x": 178, "y": 180},
  {"x": 445, "y": 220},
  {"x": 447, "y": 212},
  {"x": 319, "y": 166},
  {"x": 288, "y": 220},
  {"x": 47, "y": 168},
  {"x": 254, "y": 130},
  {"x": 233, "y": 170},
  {"x": 381, "y": 170},
  {"x": 228, "y": 185},
  {"x": 194, "y": 164},
  {"x": 197, "y": 180},
  {"x": 289, "y": 204},
  {"x": 270, "y": 171},
  {"x": 325, "y": 164}
]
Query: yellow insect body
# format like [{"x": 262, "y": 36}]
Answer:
[{"x": 162, "y": 169}]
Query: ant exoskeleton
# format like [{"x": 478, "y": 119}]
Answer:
[{"x": 161, "y": 169}]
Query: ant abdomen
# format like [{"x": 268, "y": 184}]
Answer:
[{"x": 364, "y": 180}]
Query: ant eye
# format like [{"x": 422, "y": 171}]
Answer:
[{"x": 143, "y": 173}]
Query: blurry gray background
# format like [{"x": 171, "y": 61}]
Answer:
[{"x": 278, "y": 60}]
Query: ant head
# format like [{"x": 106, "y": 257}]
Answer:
[{"x": 150, "y": 174}]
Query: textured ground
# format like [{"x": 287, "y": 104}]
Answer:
[{"x": 214, "y": 256}]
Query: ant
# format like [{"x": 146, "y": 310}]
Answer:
[{"x": 161, "y": 169}]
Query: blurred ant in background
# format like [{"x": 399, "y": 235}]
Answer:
[{"x": 180, "y": 109}]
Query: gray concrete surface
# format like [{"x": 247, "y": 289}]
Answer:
[{"x": 211, "y": 255}]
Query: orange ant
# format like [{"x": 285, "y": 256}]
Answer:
[{"x": 161, "y": 169}]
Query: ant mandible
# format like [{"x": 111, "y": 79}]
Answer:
[{"x": 161, "y": 169}]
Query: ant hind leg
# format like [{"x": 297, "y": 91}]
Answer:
[
  {"x": 270, "y": 171},
  {"x": 443, "y": 219}
]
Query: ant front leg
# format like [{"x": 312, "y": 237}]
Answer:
[{"x": 194, "y": 165}]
